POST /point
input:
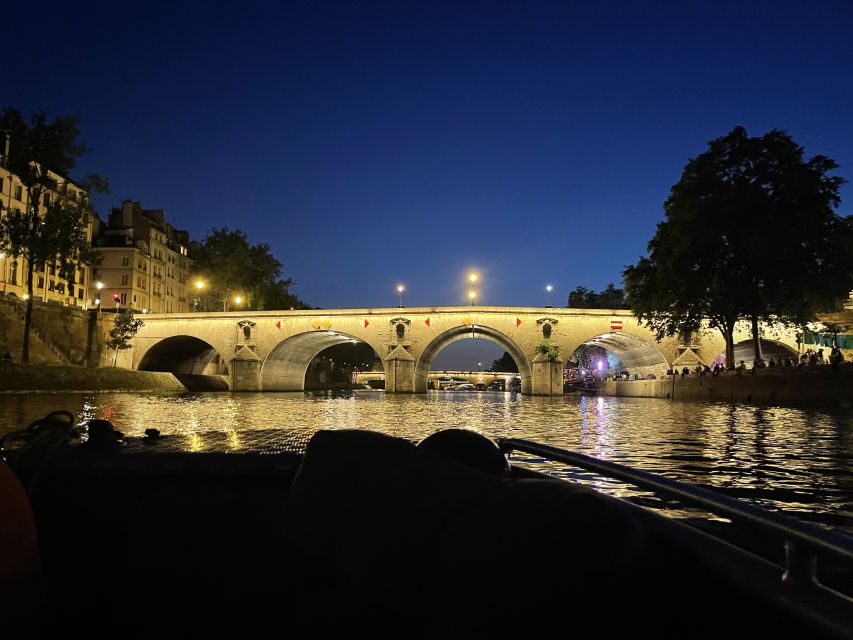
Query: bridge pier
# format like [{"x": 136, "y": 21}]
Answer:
[
  {"x": 245, "y": 371},
  {"x": 547, "y": 378},
  {"x": 399, "y": 371}
]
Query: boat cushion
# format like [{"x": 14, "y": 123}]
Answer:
[{"x": 408, "y": 526}]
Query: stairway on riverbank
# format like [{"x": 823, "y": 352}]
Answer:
[{"x": 42, "y": 351}]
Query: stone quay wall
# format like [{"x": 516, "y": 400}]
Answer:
[
  {"x": 45, "y": 377},
  {"x": 785, "y": 386}
]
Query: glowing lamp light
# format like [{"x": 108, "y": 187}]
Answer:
[
  {"x": 600, "y": 365},
  {"x": 116, "y": 297}
]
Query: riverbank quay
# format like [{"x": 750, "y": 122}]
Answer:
[
  {"x": 50, "y": 377},
  {"x": 820, "y": 386}
]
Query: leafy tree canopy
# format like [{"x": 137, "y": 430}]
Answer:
[
  {"x": 610, "y": 298},
  {"x": 52, "y": 231},
  {"x": 750, "y": 232},
  {"x": 124, "y": 329},
  {"x": 233, "y": 266},
  {"x": 504, "y": 364}
]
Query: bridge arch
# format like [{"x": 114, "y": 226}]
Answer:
[
  {"x": 182, "y": 354},
  {"x": 285, "y": 366},
  {"x": 424, "y": 362},
  {"x": 745, "y": 350},
  {"x": 196, "y": 363},
  {"x": 638, "y": 355}
]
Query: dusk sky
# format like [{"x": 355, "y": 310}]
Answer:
[{"x": 376, "y": 143}]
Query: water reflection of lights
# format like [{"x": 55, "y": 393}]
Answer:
[
  {"x": 602, "y": 444},
  {"x": 234, "y": 439},
  {"x": 584, "y": 424},
  {"x": 788, "y": 459},
  {"x": 194, "y": 442},
  {"x": 88, "y": 412}
]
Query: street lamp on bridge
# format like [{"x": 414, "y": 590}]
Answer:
[
  {"x": 199, "y": 285},
  {"x": 549, "y": 289},
  {"x": 400, "y": 290}
]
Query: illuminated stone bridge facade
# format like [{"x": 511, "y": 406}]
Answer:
[{"x": 271, "y": 350}]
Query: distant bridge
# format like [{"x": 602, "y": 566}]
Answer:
[
  {"x": 271, "y": 350},
  {"x": 479, "y": 379}
]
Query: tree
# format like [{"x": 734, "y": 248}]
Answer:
[
  {"x": 123, "y": 331},
  {"x": 750, "y": 233},
  {"x": 548, "y": 349},
  {"x": 233, "y": 266},
  {"x": 39, "y": 151},
  {"x": 504, "y": 364},
  {"x": 610, "y": 298}
]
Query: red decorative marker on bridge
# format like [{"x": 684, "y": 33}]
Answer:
[
  {"x": 278, "y": 325},
  {"x": 426, "y": 322},
  {"x": 517, "y": 322},
  {"x": 366, "y": 323},
  {"x": 615, "y": 325}
]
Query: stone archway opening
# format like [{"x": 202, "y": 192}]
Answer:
[
  {"x": 194, "y": 362},
  {"x": 466, "y": 332},
  {"x": 614, "y": 354},
  {"x": 745, "y": 350},
  {"x": 317, "y": 359}
]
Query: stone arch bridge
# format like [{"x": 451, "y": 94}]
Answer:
[{"x": 271, "y": 350}]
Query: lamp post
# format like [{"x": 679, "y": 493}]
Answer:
[
  {"x": 473, "y": 277},
  {"x": 3, "y": 260},
  {"x": 99, "y": 285},
  {"x": 199, "y": 285},
  {"x": 400, "y": 290},
  {"x": 549, "y": 289}
]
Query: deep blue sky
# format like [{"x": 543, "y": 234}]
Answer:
[{"x": 376, "y": 143}]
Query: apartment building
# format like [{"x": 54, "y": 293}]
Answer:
[
  {"x": 145, "y": 263},
  {"x": 47, "y": 283}
]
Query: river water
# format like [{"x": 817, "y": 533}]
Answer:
[{"x": 794, "y": 460}]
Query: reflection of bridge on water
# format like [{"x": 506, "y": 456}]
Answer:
[{"x": 480, "y": 379}]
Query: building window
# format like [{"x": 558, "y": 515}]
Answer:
[
  {"x": 124, "y": 279},
  {"x": 123, "y": 298},
  {"x": 19, "y": 193},
  {"x": 125, "y": 261},
  {"x": 40, "y": 283},
  {"x": 14, "y": 279},
  {"x": 46, "y": 199},
  {"x": 80, "y": 293}
]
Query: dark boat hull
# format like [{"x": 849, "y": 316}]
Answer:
[{"x": 371, "y": 534}]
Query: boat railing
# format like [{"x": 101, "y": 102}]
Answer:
[{"x": 803, "y": 541}]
